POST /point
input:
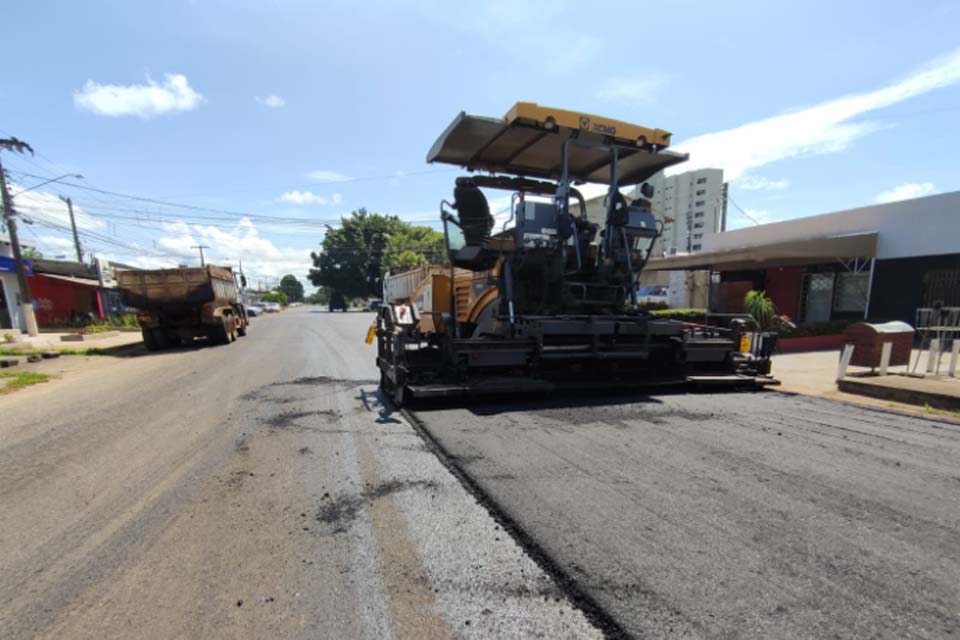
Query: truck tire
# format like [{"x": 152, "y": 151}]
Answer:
[
  {"x": 220, "y": 334},
  {"x": 242, "y": 329},
  {"x": 149, "y": 340}
]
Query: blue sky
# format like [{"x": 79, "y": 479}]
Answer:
[{"x": 306, "y": 110}]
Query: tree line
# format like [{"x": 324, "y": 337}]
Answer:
[{"x": 354, "y": 257}]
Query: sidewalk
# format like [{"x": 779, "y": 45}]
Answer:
[
  {"x": 815, "y": 373},
  {"x": 52, "y": 341}
]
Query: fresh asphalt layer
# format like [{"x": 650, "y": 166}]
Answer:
[
  {"x": 260, "y": 489},
  {"x": 757, "y": 515}
]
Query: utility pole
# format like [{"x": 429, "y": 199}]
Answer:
[
  {"x": 201, "y": 247},
  {"x": 73, "y": 225},
  {"x": 26, "y": 304}
]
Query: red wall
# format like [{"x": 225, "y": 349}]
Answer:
[
  {"x": 783, "y": 287},
  {"x": 57, "y": 299}
]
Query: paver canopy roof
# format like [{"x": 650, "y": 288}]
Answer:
[{"x": 528, "y": 141}]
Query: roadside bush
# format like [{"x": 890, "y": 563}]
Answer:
[
  {"x": 809, "y": 329},
  {"x": 275, "y": 296},
  {"x": 653, "y": 306},
  {"x": 124, "y": 321},
  {"x": 97, "y": 327},
  {"x": 686, "y": 315}
]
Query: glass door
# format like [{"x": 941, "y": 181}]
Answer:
[{"x": 818, "y": 301}]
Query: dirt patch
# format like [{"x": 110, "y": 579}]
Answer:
[
  {"x": 242, "y": 443},
  {"x": 321, "y": 380},
  {"x": 621, "y": 416},
  {"x": 339, "y": 513},
  {"x": 237, "y": 478},
  {"x": 288, "y": 419}
]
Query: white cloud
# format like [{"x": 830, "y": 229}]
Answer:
[
  {"x": 261, "y": 258},
  {"x": 321, "y": 175},
  {"x": 828, "y": 127},
  {"x": 756, "y": 183},
  {"x": 272, "y": 101},
  {"x": 145, "y": 101},
  {"x": 336, "y": 198},
  {"x": 303, "y": 198},
  {"x": 631, "y": 90},
  {"x": 907, "y": 191}
]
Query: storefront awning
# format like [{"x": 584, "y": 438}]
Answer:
[
  {"x": 86, "y": 282},
  {"x": 778, "y": 254}
]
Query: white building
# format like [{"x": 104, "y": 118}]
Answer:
[
  {"x": 696, "y": 201},
  {"x": 881, "y": 261}
]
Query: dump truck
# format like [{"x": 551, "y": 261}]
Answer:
[
  {"x": 542, "y": 298},
  {"x": 174, "y": 306}
]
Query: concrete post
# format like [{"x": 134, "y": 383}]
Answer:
[{"x": 885, "y": 357}]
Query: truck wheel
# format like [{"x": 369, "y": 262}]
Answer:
[
  {"x": 242, "y": 329},
  {"x": 231, "y": 328},
  {"x": 220, "y": 335},
  {"x": 149, "y": 341}
]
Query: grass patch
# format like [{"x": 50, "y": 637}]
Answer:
[
  {"x": 92, "y": 351},
  {"x": 20, "y": 380}
]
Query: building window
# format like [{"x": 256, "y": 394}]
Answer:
[
  {"x": 701, "y": 180},
  {"x": 697, "y": 236},
  {"x": 698, "y": 214},
  {"x": 850, "y": 292},
  {"x": 700, "y": 192},
  {"x": 699, "y": 203},
  {"x": 698, "y": 225},
  {"x": 938, "y": 284},
  {"x": 696, "y": 247}
]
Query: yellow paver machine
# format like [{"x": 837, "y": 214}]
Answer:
[{"x": 541, "y": 298}]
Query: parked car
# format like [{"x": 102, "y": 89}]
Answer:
[
  {"x": 271, "y": 307},
  {"x": 337, "y": 302},
  {"x": 373, "y": 305},
  {"x": 253, "y": 310}
]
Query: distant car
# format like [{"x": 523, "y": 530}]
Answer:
[
  {"x": 653, "y": 295},
  {"x": 271, "y": 307},
  {"x": 373, "y": 305},
  {"x": 337, "y": 302},
  {"x": 253, "y": 310}
]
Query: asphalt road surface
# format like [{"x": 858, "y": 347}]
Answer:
[
  {"x": 252, "y": 490},
  {"x": 263, "y": 490},
  {"x": 730, "y": 516}
]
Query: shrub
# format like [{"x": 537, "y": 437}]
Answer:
[
  {"x": 809, "y": 329},
  {"x": 686, "y": 315},
  {"x": 97, "y": 327},
  {"x": 758, "y": 305},
  {"x": 274, "y": 296}
]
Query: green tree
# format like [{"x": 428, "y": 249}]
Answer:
[
  {"x": 292, "y": 287},
  {"x": 413, "y": 247},
  {"x": 274, "y": 296},
  {"x": 320, "y": 296},
  {"x": 351, "y": 260},
  {"x": 32, "y": 253}
]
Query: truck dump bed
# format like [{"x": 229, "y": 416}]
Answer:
[{"x": 163, "y": 288}]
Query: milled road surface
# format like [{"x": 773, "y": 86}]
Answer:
[
  {"x": 730, "y": 516},
  {"x": 253, "y": 490}
]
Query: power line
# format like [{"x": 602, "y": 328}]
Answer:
[{"x": 746, "y": 215}]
